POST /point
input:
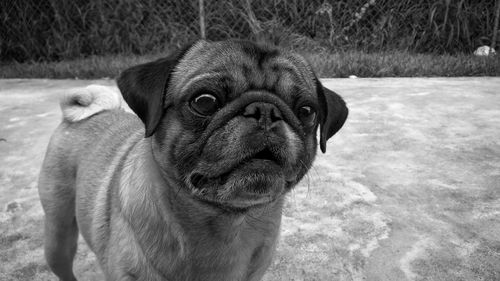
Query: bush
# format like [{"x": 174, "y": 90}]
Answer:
[{"x": 49, "y": 30}]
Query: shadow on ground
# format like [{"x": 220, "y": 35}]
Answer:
[{"x": 408, "y": 190}]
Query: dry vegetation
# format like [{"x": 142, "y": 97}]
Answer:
[
  {"x": 366, "y": 38},
  {"x": 57, "y": 30}
]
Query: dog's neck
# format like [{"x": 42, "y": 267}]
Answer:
[{"x": 178, "y": 229}]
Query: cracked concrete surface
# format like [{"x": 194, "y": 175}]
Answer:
[{"x": 409, "y": 189}]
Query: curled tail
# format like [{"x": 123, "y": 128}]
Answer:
[{"x": 88, "y": 101}]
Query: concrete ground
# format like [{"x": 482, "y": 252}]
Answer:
[{"x": 408, "y": 190}]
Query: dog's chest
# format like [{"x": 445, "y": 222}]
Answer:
[
  {"x": 235, "y": 256},
  {"x": 237, "y": 260}
]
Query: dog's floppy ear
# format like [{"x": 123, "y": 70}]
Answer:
[
  {"x": 333, "y": 113},
  {"x": 144, "y": 88}
]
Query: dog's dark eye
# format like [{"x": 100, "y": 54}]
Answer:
[
  {"x": 205, "y": 104},
  {"x": 307, "y": 115}
]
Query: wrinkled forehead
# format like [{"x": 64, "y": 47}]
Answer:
[{"x": 246, "y": 65}]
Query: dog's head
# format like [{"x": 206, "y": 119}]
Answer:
[{"x": 233, "y": 122}]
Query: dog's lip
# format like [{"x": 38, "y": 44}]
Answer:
[
  {"x": 204, "y": 187},
  {"x": 220, "y": 170},
  {"x": 197, "y": 178},
  {"x": 266, "y": 154},
  {"x": 234, "y": 206}
]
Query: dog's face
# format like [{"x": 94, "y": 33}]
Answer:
[{"x": 233, "y": 122}]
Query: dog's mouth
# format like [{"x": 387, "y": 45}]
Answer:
[
  {"x": 256, "y": 180},
  {"x": 264, "y": 157},
  {"x": 199, "y": 180},
  {"x": 266, "y": 154}
]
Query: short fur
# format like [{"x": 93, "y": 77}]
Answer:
[
  {"x": 175, "y": 195},
  {"x": 85, "y": 102}
]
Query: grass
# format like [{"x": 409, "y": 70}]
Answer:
[
  {"x": 403, "y": 64},
  {"x": 341, "y": 64},
  {"x": 85, "y": 68}
]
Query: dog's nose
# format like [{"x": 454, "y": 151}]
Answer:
[{"x": 266, "y": 114}]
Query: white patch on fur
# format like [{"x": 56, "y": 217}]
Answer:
[{"x": 88, "y": 101}]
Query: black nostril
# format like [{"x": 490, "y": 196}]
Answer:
[{"x": 265, "y": 113}]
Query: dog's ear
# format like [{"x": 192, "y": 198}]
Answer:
[
  {"x": 333, "y": 113},
  {"x": 144, "y": 88}
]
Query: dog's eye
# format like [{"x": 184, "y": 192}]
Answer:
[
  {"x": 307, "y": 115},
  {"x": 205, "y": 104}
]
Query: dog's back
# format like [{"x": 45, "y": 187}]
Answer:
[{"x": 92, "y": 117}]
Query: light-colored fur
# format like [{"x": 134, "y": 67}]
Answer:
[{"x": 85, "y": 102}]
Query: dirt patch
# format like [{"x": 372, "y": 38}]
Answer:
[{"x": 408, "y": 190}]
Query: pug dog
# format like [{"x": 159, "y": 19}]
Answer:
[{"x": 192, "y": 186}]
